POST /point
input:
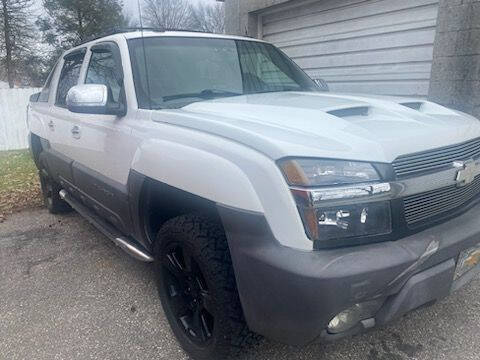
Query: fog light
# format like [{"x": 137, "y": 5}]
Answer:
[
  {"x": 350, "y": 318},
  {"x": 345, "y": 320}
]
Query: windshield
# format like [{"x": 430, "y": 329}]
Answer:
[{"x": 184, "y": 70}]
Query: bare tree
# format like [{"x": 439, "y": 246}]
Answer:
[
  {"x": 209, "y": 17},
  {"x": 16, "y": 35},
  {"x": 66, "y": 22},
  {"x": 167, "y": 14}
]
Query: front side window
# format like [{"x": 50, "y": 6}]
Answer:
[
  {"x": 265, "y": 69},
  {"x": 103, "y": 70},
  {"x": 69, "y": 76},
  {"x": 174, "y": 72}
]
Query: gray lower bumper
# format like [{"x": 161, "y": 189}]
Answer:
[{"x": 290, "y": 296}]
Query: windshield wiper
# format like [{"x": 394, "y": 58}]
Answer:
[{"x": 204, "y": 94}]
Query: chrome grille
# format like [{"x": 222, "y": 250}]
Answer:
[
  {"x": 432, "y": 160},
  {"x": 426, "y": 205}
]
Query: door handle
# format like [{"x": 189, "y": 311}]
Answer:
[
  {"x": 76, "y": 133},
  {"x": 51, "y": 125}
]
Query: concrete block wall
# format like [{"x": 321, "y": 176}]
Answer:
[
  {"x": 455, "y": 79},
  {"x": 241, "y": 18}
]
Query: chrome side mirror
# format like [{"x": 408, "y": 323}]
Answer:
[
  {"x": 322, "y": 84},
  {"x": 92, "y": 99}
]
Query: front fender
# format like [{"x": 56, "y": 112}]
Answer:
[{"x": 198, "y": 172}]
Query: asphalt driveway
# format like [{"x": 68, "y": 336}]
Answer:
[{"x": 66, "y": 292}]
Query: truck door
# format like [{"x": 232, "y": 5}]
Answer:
[
  {"x": 102, "y": 147},
  {"x": 60, "y": 121}
]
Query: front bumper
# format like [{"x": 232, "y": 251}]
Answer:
[{"x": 290, "y": 295}]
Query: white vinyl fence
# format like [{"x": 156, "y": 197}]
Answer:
[{"x": 13, "y": 113}]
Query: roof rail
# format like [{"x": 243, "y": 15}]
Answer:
[
  {"x": 118, "y": 30},
  {"x": 121, "y": 30}
]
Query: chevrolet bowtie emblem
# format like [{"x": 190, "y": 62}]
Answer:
[{"x": 467, "y": 173}]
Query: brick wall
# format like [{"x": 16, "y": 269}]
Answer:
[{"x": 455, "y": 78}]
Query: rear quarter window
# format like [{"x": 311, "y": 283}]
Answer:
[{"x": 45, "y": 93}]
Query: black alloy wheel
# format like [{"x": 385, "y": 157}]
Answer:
[
  {"x": 189, "y": 296},
  {"x": 48, "y": 194},
  {"x": 51, "y": 197},
  {"x": 197, "y": 287}
]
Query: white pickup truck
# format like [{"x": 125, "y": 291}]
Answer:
[{"x": 267, "y": 206}]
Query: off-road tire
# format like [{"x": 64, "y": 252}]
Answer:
[
  {"x": 208, "y": 248},
  {"x": 51, "y": 197}
]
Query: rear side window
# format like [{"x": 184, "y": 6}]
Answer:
[
  {"x": 69, "y": 76},
  {"x": 103, "y": 70},
  {"x": 45, "y": 93}
]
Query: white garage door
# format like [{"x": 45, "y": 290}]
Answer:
[{"x": 366, "y": 46}]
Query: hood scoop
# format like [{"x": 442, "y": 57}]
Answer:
[
  {"x": 415, "y": 105},
  {"x": 350, "y": 111}
]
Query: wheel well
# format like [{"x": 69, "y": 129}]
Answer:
[{"x": 160, "y": 202}]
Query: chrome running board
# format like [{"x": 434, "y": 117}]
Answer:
[{"x": 129, "y": 246}]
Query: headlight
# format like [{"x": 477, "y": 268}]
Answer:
[
  {"x": 313, "y": 172},
  {"x": 339, "y": 201}
]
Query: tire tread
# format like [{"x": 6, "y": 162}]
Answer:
[{"x": 212, "y": 244}]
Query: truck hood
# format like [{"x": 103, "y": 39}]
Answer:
[{"x": 328, "y": 125}]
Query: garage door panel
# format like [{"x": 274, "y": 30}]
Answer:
[
  {"x": 408, "y": 16},
  {"x": 358, "y": 34},
  {"x": 410, "y": 54},
  {"x": 400, "y": 88},
  {"x": 348, "y": 13},
  {"x": 403, "y": 76},
  {"x": 373, "y": 42},
  {"x": 371, "y": 46},
  {"x": 307, "y": 8},
  {"x": 368, "y": 72}
]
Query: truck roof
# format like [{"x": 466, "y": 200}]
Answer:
[{"x": 147, "y": 33}]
